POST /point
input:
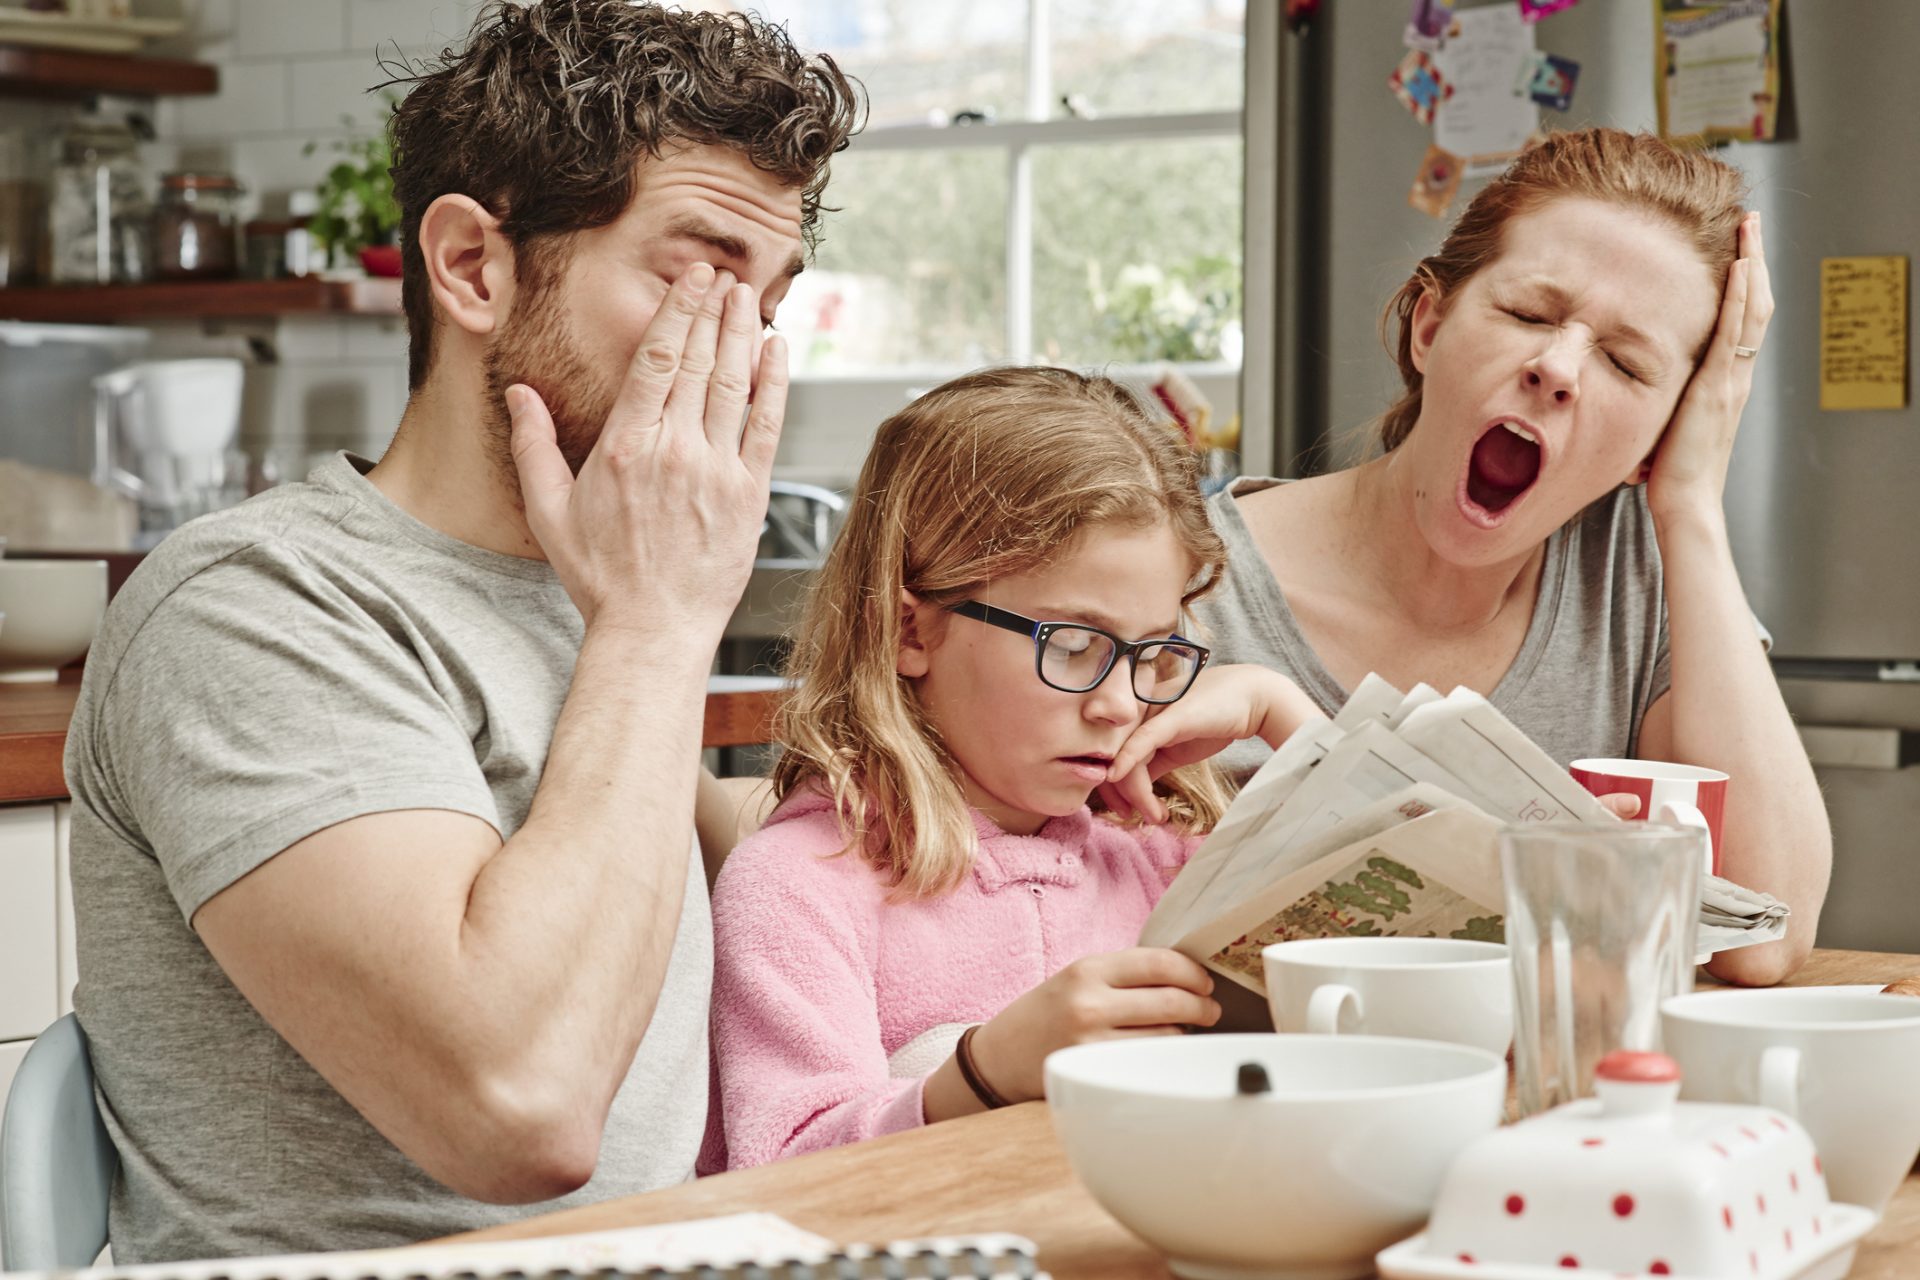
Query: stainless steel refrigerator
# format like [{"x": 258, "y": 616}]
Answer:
[{"x": 1824, "y": 505}]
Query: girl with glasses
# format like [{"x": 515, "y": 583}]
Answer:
[{"x": 934, "y": 906}]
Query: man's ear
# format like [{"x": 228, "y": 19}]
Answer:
[
  {"x": 911, "y": 659},
  {"x": 469, "y": 263},
  {"x": 1425, "y": 324}
]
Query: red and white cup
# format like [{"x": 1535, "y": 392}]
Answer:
[{"x": 1683, "y": 794}]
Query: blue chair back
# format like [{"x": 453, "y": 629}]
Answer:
[{"x": 57, "y": 1160}]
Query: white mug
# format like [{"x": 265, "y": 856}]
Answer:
[
  {"x": 1840, "y": 1060},
  {"x": 1416, "y": 988}
]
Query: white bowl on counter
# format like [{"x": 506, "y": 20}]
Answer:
[
  {"x": 52, "y": 610},
  {"x": 1339, "y": 1157}
]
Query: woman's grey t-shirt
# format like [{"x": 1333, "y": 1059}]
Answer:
[
  {"x": 307, "y": 657},
  {"x": 1593, "y": 660}
]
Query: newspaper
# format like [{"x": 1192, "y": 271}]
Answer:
[{"x": 1385, "y": 820}]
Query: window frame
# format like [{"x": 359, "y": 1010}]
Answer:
[{"x": 1254, "y": 124}]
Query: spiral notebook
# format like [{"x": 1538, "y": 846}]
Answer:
[{"x": 747, "y": 1246}]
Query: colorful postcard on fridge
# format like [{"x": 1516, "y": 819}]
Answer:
[{"x": 1718, "y": 69}]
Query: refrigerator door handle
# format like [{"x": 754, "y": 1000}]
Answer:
[{"x": 1845, "y": 746}]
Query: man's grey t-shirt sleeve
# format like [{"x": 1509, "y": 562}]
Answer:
[{"x": 258, "y": 704}]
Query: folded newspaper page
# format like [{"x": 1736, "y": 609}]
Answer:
[{"x": 1386, "y": 820}]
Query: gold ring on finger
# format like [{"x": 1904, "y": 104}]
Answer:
[{"x": 1746, "y": 353}]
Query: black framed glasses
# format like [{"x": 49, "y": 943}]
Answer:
[{"x": 1074, "y": 658}]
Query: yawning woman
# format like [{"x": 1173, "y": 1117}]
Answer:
[{"x": 1545, "y": 522}]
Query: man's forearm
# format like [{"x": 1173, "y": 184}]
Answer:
[{"x": 570, "y": 927}]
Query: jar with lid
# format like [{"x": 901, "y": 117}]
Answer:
[
  {"x": 282, "y": 248},
  {"x": 23, "y": 213},
  {"x": 196, "y": 227},
  {"x": 97, "y": 209}
]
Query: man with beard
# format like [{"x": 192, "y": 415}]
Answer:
[{"x": 390, "y": 908}]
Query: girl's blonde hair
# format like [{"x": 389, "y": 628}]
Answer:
[
  {"x": 986, "y": 476},
  {"x": 1696, "y": 193}
]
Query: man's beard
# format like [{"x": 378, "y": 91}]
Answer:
[{"x": 534, "y": 347}]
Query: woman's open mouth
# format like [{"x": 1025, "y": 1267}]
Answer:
[{"x": 1503, "y": 466}]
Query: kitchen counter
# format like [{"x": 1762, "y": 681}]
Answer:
[
  {"x": 33, "y": 729},
  {"x": 33, "y": 734}
]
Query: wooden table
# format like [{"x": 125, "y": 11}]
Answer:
[{"x": 1005, "y": 1171}]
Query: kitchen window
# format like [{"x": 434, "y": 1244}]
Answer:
[{"x": 1040, "y": 180}]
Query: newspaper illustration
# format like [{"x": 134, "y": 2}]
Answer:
[{"x": 1385, "y": 821}]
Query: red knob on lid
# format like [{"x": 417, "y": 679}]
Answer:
[{"x": 1636, "y": 1067}]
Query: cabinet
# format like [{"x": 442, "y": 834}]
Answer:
[{"x": 29, "y": 921}]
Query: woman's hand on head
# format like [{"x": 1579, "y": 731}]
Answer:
[
  {"x": 1145, "y": 991},
  {"x": 1225, "y": 705},
  {"x": 1690, "y": 463}
]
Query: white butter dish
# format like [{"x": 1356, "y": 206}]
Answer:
[{"x": 1634, "y": 1182}]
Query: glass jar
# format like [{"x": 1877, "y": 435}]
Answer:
[
  {"x": 97, "y": 209},
  {"x": 23, "y": 213},
  {"x": 196, "y": 227}
]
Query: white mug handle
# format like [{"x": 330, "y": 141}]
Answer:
[
  {"x": 1780, "y": 1079},
  {"x": 1326, "y": 1005},
  {"x": 1683, "y": 814}
]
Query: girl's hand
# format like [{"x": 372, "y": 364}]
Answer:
[
  {"x": 1147, "y": 991},
  {"x": 1690, "y": 464},
  {"x": 1225, "y": 705}
]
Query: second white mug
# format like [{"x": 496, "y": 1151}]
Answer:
[{"x": 1447, "y": 989}]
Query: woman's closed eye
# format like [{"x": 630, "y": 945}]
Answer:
[
  {"x": 1627, "y": 370},
  {"x": 1620, "y": 366}
]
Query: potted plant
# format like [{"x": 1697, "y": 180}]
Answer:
[{"x": 357, "y": 217}]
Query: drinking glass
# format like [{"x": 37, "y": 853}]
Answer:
[{"x": 1601, "y": 926}]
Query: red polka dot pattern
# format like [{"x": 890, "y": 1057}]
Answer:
[
  {"x": 1623, "y": 1206},
  {"x": 1516, "y": 1206}
]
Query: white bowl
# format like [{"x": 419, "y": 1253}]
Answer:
[
  {"x": 1341, "y": 1158},
  {"x": 53, "y": 608}
]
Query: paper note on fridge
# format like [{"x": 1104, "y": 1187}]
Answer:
[
  {"x": 1863, "y": 332},
  {"x": 1386, "y": 820}
]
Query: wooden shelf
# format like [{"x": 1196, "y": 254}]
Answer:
[
  {"x": 30, "y": 71},
  {"x": 200, "y": 300}
]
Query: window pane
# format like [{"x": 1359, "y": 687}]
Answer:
[
  {"x": 911, "y": 270},
  {"x": 917, "y": 57},
  {"x": 1137, "y": 251},
  {"x": 1142, "y": 57}
]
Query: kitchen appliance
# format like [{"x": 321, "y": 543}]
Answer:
[
  {"x": 1820, "y": 503},
  {"x": 164, "y": 433}
]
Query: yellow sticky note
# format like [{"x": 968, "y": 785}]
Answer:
[{"x": 1863, "y": 332}]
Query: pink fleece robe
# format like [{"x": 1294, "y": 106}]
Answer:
[{"x": 819, "y": 979}]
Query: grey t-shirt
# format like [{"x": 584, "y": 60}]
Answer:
[
  {"x": 310, "y": 656},
  {"x": 1593, "y": 660}
]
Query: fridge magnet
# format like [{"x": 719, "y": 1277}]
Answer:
[
  {"x": 1436, "y": 182},
  {"x": 1548, "y": 80},
  {"x": 1300, "y": 13},
  {"x": 1534, "y": 10},
  {"x": 1429, "y": 25},
  {"x": 1417, "y": 82},
  {"x": 1719, "y": 70}
]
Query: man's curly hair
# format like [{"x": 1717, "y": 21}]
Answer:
[{"x": 544, "y": 114}]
